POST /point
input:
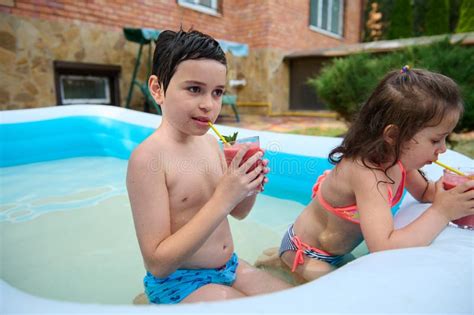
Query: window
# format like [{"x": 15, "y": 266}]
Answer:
[
  {"x": 86, "y": 83},
  {"x": 326, "y": 16},
  {"x": 204, "y": 6},
  {"x": 77, "y": 89}
]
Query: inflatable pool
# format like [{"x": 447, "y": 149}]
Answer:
[{"x": 434, "y": 279}]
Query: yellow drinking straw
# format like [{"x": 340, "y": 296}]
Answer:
[
  {"x": 217, "y": 132},
  {"x": 450, "y": 168}
]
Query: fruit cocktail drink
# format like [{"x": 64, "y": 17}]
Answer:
[
  {"x": 451, "y": 180},
  {"x": 231, "y": 149}
]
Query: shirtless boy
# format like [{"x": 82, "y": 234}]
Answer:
[{"x": 180, "y": 188}]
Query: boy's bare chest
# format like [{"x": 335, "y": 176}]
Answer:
[{"x": 191, "y": 181}]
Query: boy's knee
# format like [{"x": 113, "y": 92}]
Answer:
[
  {"x": 213, "y": 292},
  {"x": 269, "y": 258},
  {"x": 227, "y": 293},
  {"x": 141, "y": 299}
]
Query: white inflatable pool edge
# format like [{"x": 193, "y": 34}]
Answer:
[{"x": 434, "y": 279}]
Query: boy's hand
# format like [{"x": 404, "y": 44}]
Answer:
[
  {"x": 455, "y": 203},
  {"x": 238, "y": 182},
  {"x": 265, "y": 171}
]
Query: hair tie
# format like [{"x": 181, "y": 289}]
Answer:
[{"x": 405, "y": 69}]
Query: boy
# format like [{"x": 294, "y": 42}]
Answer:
[{"x": 180, "y": 187}]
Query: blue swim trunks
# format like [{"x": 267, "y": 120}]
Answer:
[{"x": 177, "y": 286}]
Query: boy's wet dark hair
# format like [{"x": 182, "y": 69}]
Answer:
[
  {"x": 172, "y": 48},
  {"x": 410, "y": 100}
]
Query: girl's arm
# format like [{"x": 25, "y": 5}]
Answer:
[
  {"x": 419, "y": 186},
  {"x": 447, "y": 206},
  {"x": 376, "y": 219}
]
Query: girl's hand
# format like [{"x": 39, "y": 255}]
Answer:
[
  {"x": 238, "y": 182},
  {"x": 455, "y": 203}
]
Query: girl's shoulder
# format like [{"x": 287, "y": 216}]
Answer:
[
  {"x": 358, "y": 172},
  {"x": 356, "y": 166}
]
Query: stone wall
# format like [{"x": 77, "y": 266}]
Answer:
[{"x": 29, "y": 46}]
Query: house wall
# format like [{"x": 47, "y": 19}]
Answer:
[
  {"x": 302, "y": 95},
  {"x": 273, "y": 29},
  {"x": 35, "y": 33}
]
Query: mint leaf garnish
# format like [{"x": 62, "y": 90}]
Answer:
[{"x": 231, "y": 138}]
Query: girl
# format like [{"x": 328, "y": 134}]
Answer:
[{"x": 402, "y": 127}]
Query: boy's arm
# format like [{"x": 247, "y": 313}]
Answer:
[
  {"x": 419, "y": 186},
  {"x": 243, "y": 208},
  {"x": 162, "y": 251}
]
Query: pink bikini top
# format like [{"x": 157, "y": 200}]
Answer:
[{"x": 351, "y": 213}]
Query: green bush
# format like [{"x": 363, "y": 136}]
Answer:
[
  {"x": 401, "y": 25},
  {"x": 456, "y": 62},
  {"x": 401, "y": 14},
  {"x": 437, "y": 17},
  {"x": 466, "y": 19},
  {"x": 345, "y": 83}
]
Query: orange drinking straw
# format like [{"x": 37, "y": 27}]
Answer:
[
  {"x": 450, "y": 168},
  {"x": 217, "y": 132}
]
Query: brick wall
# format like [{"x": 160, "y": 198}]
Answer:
[
  {"x": 116, "y": 14},
  {"x": 37, "y": 32},
  {"x": 285, "y": 25},
  {"x": 281, "y": 24}
]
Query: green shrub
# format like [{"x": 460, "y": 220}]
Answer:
[
  {"x": 437, "y": 17},
  {"x": 454, "y": 12},
  {"x": 345, "y": 83},
  {"x": 466, "y": 19},
  {"x": 456, "y": 62},
  {"x": 396, "y": 14},
  {"x": 401, "y": 25}
]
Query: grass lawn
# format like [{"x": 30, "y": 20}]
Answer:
[
  {"x": 462, "y": 143},
  {"x": 319, "y": 131},
  {"x": 465, "y": 147}
]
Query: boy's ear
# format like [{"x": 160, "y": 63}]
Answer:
[
  {"x": 156, "y": 89},
  {"x": 390, "y": 134}
]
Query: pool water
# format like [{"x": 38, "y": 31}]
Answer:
[{"x": 67, "y": 230}]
